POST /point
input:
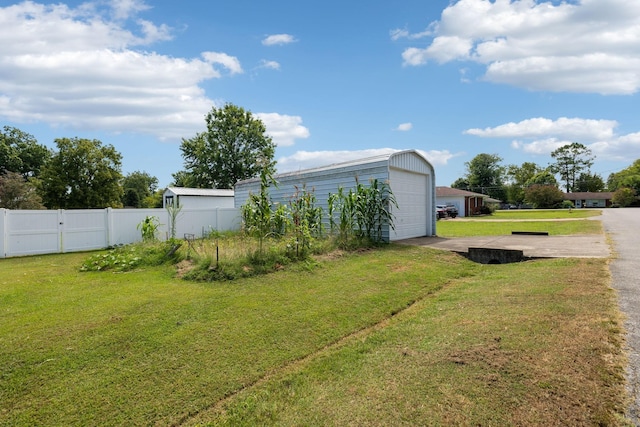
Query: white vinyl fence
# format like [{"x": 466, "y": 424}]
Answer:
[{"x": 32, "y": 232}]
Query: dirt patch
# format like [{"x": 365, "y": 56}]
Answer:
[{"x": 183, "y": 267}]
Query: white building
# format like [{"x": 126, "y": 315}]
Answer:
[
  {"x": 410, "y": 176},
  {"x": 197, "y": 198}
]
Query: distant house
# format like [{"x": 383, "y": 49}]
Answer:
[
  {"x": 467, "y": 202},
  {"x": 197, "y": 198},
  {"x": 590, "y": 199}
]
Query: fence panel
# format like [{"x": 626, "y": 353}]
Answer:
[
  {"x": 33, "y": 232},
  {"x": 84, "y": 230},
  {"x": 124, "y": 224}
]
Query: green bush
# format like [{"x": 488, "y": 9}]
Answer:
[{"x": 129, "y": 257}]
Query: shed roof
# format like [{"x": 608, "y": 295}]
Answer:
[
  {"x": 351, "y": 163},
  {"x": 456, "y": 192},
  {"x": 203, "y": 192}
]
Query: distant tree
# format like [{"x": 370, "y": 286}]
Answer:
[
  {"x": 571, "y": 160},
  {"x": 140, "y": 183},
  {"x": 485, "y": 175},
  {"x": 624, "y": 196},
  {"x": 544, "y": 196},
  {"x": 184, "y": 179},
  {"x": 234, "y": 147},
  {"x": 82, "y": 174},
  {"x": 542, "y": 178},
  {"x": 590, "y": 182},
  {"x": 461, "y": 184},
  {"x": 18, "y": 193},
  {"x": 130, "y": 199},
  {"x": 21, "y": 153},
  {"x": 518, "y": 176},
  {"x": 154, "y": 200},
  {"x": 628, "y": 177}
]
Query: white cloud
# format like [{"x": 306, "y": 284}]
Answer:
[
  {"x": 592, "y": 46},
  {"x": 123, "y": 9},
  {"x": 283, "y": 129},
  {"x": 541, "y": 136},
  {"x": 273, "y": 65},
  {"x": 229, "y": 62},
  {"x": 278, "y": 39},
  {"x": 404, "y": 127},
  {"x": 541, "y": 147},
  {"x": 79, "y": 67},
  {"x": 567, "y": 128}
]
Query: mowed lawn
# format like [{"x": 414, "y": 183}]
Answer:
[
  {"x": 396, "y": 336},
  {"x": 560, "y": 222}
]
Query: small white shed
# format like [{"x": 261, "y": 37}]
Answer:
[
  {"x": 197, "y": 198},
  {"x": 410, "y": 176}
]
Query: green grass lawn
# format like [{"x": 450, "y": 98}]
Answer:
[
  {"x": 454, "y": 228},
  {"x": 396, "y": 336},
  {"x": 555, "y": 222},
  {"x": 540, "y": 214}
]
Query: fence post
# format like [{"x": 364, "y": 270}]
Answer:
[
  {"x": 61, "y": 220},
  {"x": 109, "y": 226},
  {"x": 3, "y": 232}
]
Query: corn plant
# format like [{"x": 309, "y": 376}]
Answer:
[
  {"x": 306, "y": 219},
  {"x": 362, "y": 211},
  {"x": 174, "y": 212},
  {"x": 257, "y": 215},
  {"x": 148, "y": 228}
]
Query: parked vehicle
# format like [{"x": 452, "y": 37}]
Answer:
[
  {"x": 452, "y": 211},
  {"x": 444, "y": 211}
]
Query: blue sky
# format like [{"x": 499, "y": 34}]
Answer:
[{"x": 332, "y": 80}]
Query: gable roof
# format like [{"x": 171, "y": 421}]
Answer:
[
  {"x": 456, "y": 192},
  {"x": 388, "y": 157},
  {"x": 203, "y": 192}
]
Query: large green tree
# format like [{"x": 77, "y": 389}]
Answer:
[
  {"x": 234, "y": 147},
  {"x": 18, "y": 193},
  {"x": 571, "y": 160},
  {"x": 544, "y": 196},
  {"x": 484, "y": 175},
  {"x": 83, "y": 173},
  {"x": 139, "y": 188},
  {"x": 21, "y": 153},
  {"x": 628, "y": 177},
  {"x": 517, "y": 177},
  {"x": 591, "y": 182}
]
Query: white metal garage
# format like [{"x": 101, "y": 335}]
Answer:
[{"x": 410, "y": 176}]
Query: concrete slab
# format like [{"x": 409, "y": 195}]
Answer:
[{"x": 574, "y": 246}]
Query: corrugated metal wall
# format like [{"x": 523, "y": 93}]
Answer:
[{"x": 327, "y": 180}]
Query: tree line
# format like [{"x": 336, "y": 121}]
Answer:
[
  {"x": 539, "y": 186},
  {"x": 85, "y": 173}
]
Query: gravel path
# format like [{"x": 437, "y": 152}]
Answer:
[{"x": 623, "y": 226}]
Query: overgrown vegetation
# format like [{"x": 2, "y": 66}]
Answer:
[
  {"x": 275, "y": 235},
  {"x": 136, "y": 255}
]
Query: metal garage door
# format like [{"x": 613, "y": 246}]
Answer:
[{"x": 410, "y": 190}]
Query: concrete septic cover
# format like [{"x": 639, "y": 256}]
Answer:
[{"x": 495, "y": 256}]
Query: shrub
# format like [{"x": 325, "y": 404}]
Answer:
[{"x": 129, "y": 257}]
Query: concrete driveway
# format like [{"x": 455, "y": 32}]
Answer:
[{"x": 575, "y": 246}]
